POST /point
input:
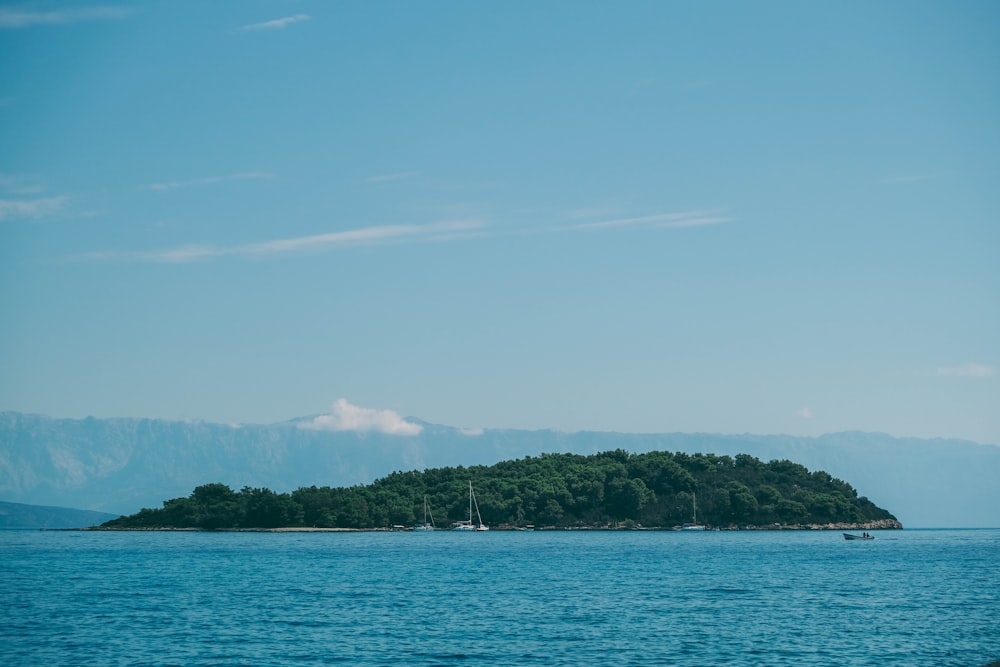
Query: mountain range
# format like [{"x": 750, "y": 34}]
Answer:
[
  {"x": 19, "y": 516},
  {"x": 121, "y": 465}
]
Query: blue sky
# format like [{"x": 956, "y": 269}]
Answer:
[{"x": 724, "y": 217}]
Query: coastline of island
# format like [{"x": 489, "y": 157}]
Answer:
[
  {"x": 613, "y": 490},
  {"x": 884, "y": 524}
]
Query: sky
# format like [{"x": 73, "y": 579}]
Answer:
[{"x": 665, "y": 216}]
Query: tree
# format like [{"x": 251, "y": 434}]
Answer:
[
  {"x": 266, "y": 509},
  {"x": 216, "y": 506},
  {"x": 553, "y": 489},
  {"x": 742, "y": 504}
]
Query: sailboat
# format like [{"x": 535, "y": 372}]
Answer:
[
  {"x": 468, "y": 525},
  {"x": 694, "y": 516},
  {"x": 427, "y": 513}
]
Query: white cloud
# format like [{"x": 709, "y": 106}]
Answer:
[
  {"x": 969, "y": 370},
  {"x": 210, "y": 180},
  {"x": 30, "y": 208},
  {"x": 471, "y": 432},
  {"x": 805, "y": 413},
  {"x": 440, "y": 231},
  {"x": 660, "y": 221},
  {"x": 12, "y": 18},
  {"x": 347, "y": 417},
  {"x": 277, "y": 24}
]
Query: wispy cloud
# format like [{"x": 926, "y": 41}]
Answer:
[
  {"x": 347, "y": 417},
  {"x": 13, "y": 18},
  {"x": 17, "y": 184},
  {"x": 385, "y": 178},
  {"x": 356, "y": 236},
  {"x": 970, "y": 370},
  {"x": 277, "y": 24},
  {"x": 30, "y": 208},
  {"x": 907, "y": 178},
  {"x": 805, "y": 413},
  {"x": 694, "y": 85},
  {"x": 590, "y": 213},
  {"x": 210, "y": 180},
  {"x": 440, "y": 231},
  {"x": 379, "y": 235},
  {"x": 660, "y": 221}
]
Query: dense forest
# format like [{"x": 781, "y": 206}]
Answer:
[{"x": 615, "y": 488}]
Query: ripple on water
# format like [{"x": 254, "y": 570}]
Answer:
[{"x": 499, "y": 599}]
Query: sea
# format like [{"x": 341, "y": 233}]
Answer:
[{"x": 910, "y": 597}]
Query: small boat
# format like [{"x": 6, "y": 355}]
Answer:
[
  {"x": 425, "y": 526},
  {"x": 468, "y": 525},
  {"x": 694, "y": 525},
  {"x": 865, "y": 536}
]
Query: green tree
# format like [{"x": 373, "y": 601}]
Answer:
[
  {"x": 216, "y": 506},
  {"x": 266, "y": 509}
]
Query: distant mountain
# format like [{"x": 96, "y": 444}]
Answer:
[
  {"x": 122, "y": 465},
  {"x": 16, "y": 515}
]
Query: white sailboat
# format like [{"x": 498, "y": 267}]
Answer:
[
  {"x": 694, "y": 516},
  {"x": 427, "y": 513},
  {"x": 468, "y": 525}
]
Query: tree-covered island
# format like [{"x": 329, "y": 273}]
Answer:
[{"x": 610, "y": 489}]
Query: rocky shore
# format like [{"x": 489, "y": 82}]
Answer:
[{"x": 882, "y": 524}]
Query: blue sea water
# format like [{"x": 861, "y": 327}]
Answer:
[{"x": 499, "y": 598}]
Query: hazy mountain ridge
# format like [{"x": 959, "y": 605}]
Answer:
[
  {"x": 20, "y": 516},
  {"x": 123, "y": 464}
]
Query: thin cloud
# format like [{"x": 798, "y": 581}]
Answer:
[
  {"x": 30, "y": 208},
  {"x": 14, "y": 19},
  {"x": 589, "y": 213},
  {"x": 805, "y": 413},
  {"x": 970, "y": 370},
  {"x": 364, "y": 235},
  {"x": 903, "y": 179},
  {"x": 277, "y": 24},
  {"x": 660, "y": 221},
  {"x": 441, "y": 231},
  {"x": 210, "y": 180},
  {"x": 347, "y": 417},
  {"x": 385, "y": 178},
  {"x": 17, "y": 184}
]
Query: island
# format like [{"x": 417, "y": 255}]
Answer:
[{"x": 608, "y": 490}]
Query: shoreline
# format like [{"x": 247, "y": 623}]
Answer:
[{"x": 885, "y": 524}]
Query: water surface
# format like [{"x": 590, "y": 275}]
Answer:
[{"x": 499, "y": 598}]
